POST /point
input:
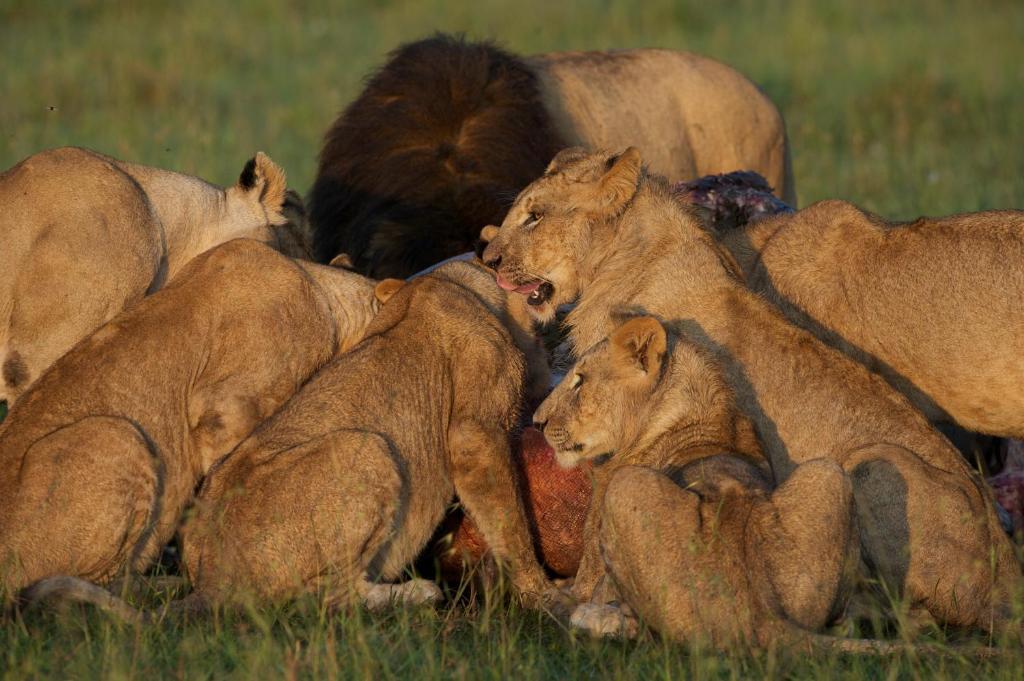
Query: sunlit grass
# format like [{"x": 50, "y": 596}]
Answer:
[{"x": 488, "y": 640}]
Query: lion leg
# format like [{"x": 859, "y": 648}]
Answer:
[
  {"x": 605, "y": 620},
  {"x": 806, "y": 537},
  {"x": 376, "y": 596},
  {"x": 652, "y": 539},
  {"x": 86, "y": 505},
  {"x": 484, "y": 478},
  {"x": 932, "y": 536},
  {"x": 591, "y": 570}
]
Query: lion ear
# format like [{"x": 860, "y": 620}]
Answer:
[
  {"x": 265, "y": 182},
  {"x": 387, "y": 288},
  {"x": 619, "y": 183},
  {"x": 488, "y": 233},
  {"x": 640, "y": 344},
  {"x": 565, "y": 158},
  {"x": 343, "y": 261}
]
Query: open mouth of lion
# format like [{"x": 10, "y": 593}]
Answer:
[{"x": 537, "y": 291}]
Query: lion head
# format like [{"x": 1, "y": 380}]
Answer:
[
  {"x": 592, "y": 412},
  {"x": 540, "y": 248}
]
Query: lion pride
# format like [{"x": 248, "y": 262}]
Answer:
[
  {"x": 100, "y": 456},
  {"x": 601, "y": 230}
]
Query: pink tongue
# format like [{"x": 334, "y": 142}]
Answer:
[{"x": 524, "y": 289}]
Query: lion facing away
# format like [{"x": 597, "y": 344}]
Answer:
[
  {"x": 933, "y": 305},
  {"x": 448, "y": 131},
  {"x": 695, "y": 540},
  {"x": 86, "y": 236},
  {"x": 340, "y": 490},
  {"x": 600, "y": 230},
  {"x": 99, "y": 458}
]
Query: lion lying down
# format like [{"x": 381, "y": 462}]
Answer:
[
  {"x": 718, "y": 555},
  {"x": 344, "y": 486},
  {"x": 599, "y": 228},
  {"x": 100, "y": 456},
  {"x": 86, "y": 236},
  {"x": 933, "y": 305}
]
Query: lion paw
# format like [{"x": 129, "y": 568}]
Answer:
[
  {"x": 553, "y": 601},
  {"x": 412, "y": 592},
  {"x": 603, "y": 621}
]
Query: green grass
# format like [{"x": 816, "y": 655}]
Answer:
[
  {"x": 489, "y": 641},
  {"x": 905, "y": 108}
]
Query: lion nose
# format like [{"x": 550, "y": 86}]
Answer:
[{"x": 539, "y": 424}]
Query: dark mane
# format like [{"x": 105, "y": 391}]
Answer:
[{"x": 438, "y": 144}]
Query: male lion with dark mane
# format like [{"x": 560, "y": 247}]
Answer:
[{"x": 448, "y": 131}]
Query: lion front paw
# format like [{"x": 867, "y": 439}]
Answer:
[
  {"x": 604, "y": 621},
  {"x": 552, "y": 600},
  {"x": 412, "y": 592}
]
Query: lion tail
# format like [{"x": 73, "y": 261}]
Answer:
[
  {"x": 866, "y": 646},
  {"x": 78, "y": 590}
]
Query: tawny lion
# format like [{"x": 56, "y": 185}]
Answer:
[
  {"x": 86, "y": 236},
  {"x": 934, "y": 305}
]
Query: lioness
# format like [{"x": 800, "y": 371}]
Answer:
[
  {"x": 645, "y": 397},
  {"x": 932, "y": 305},
  {"x": 346, "y": 483},
  {"x": 599, "y": 228},
  {"x": 100, "y": 456},
  {"x": 86, "y": 236}
]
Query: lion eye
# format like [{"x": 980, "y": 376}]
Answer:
[
  {"x": 577, "y": 381},
  {"x": 532, "y": 218}
]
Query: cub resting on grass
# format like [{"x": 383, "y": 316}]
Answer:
[
  {"x": 599, "y": 228},
  {"x": 722, "y": 557},
  {"x": 86, "y": 236},
  {"x": 346, "y": 483},
  {"x": 935, "y": 305},
  {"x": 100, "y": 456}
]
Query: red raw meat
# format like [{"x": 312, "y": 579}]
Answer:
[{"x": 556, "y": 505}]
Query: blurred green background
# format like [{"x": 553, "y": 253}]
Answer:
[{"x": 905, "y": 107}]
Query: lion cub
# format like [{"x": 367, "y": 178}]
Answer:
[
  {"x": 597, "y": 228},
  {"x": 344, "y": 486},
  {"x": 100, "y": 456},
  {"x": 86, "y": 236},
  {"x": 721, "y": 556},
  {"x": 933, "y": 305}
]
